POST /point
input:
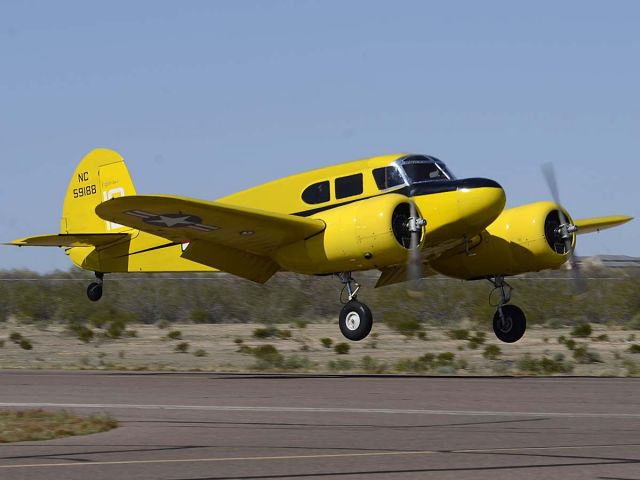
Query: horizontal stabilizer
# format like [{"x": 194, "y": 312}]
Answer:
[
  {"x": 70, "y": 240},
  {"x": 588, "y": 225}
]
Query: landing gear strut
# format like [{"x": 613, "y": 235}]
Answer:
[
  {"x": 94, "y": 290},
  {"x": 355, "y": 318},
  {"x": 509, "y": 322}
]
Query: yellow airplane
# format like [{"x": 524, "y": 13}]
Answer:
[{"x": 404, "y": 215}]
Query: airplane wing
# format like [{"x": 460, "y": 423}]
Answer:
[
  {"x": 588, "y": 225},
  {"x": 234, "y": 239},
  {"x": 70, "y": 240}
]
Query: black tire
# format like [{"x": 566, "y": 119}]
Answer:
[
  {"x": 511, "y": 327},
  {"x": 355, "y": 321},
  {"x": 94, "y": 291}
]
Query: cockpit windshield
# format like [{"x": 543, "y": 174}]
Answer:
[{"x": 424, "y": 169}]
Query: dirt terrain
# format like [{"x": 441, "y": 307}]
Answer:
[{"x": 235, "y": 348}]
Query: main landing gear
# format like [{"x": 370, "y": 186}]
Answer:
[
  {"x": 355, "y": 318},
  {"x": 94, "y": 290},
  {"x": 509, "y": 322}
]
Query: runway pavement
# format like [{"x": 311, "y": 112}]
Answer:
[{"x": 211, "y": 426}]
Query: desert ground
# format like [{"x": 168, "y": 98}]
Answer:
[{"x": 606, "y": 351}]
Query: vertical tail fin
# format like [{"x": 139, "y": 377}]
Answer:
[{"x": 100, "y": 176}]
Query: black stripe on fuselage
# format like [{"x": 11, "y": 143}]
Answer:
[
  {"x": 157, "y": 247},
  {"x": 416, "y": 190}
]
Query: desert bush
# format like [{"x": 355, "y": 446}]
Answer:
[
  {"x": 458, "y": 334},
  {"x": 635, "y": 348},
  {"x": 297, "y": 362},
  {"x": 492, "y": 352},
  {"x": 543, "y": 365},
  {"x": 634, "y": 323},
  {"x": 201, "y": 315},
  {"x": 413, "y": 365},
  {"x": 326, "y": 342},
  {"x": 182, "y": 347},
  {"x": 477, "y": 340},
  {"x": 162, "y": 324},
  {"x": 283, "y": 334},
  {"x": 200, "y": 353},
  {"x": 371, "y": 365},
  {"x": 403, "y": 324},
  {"x": 301, "y": 323},
  {"x": 631, "y": 367},
  {"x": 15, "y": 337},
  {"x": 271, "y": 332},
  {"x": 583, "y": 355},
  {"x": 80, "y": 331},
  {"x": 25, "y": 344},
  {"x": 601, "y": 338},
  {"x": 340, "y": 365},
  {"x": 444, "y": 359},
  {"x": 342, "y": 348},
  {"x": 267, "y": 352},
  {"x": 583, "y": 330},
  {"x": 267, "y": 357},
  {"x": 265, "y": 332},
  {"x": 174, "y": 335}
]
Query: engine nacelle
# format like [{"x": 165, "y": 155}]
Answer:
[
  {"x": 360, "y": 235},
  {"x": 521, "y": 239}
]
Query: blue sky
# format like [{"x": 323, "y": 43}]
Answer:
[{"x": 203, "y": 98}]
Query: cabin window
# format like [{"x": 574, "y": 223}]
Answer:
[
  {"x": 349, "y": 186},
  {"x": 387, "y": 177},
  {"x": 317, "y": 193}
]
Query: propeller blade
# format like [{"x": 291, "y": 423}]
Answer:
[
  {"x": 550, "y": 176},
  {"x": 566, "y": 229},
  {"x": 414, "y": 266}
]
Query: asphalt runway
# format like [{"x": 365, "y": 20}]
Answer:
[{"x": 211, "y": 426}]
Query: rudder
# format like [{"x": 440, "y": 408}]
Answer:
[{"x": 100, "y": 176}]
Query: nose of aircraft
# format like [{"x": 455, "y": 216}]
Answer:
[{"x": 480, "y": 201}]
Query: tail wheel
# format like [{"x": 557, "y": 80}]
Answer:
[
  {"x": 355, "y": 320},
  {"x": 94, "y": 291},
  {"x": 509, "y": 326}
]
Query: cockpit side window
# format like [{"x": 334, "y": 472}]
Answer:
[
  {"x": 387, "y": 177},
  {"x": 349, "y": 186},
  {"x": 317, "y": 193}
]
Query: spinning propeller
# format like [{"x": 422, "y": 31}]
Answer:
[
  {"x": 565, "y": 232},
  {"x": 415, "y": 224}
]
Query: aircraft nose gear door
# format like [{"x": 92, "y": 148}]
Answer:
[{"x": 355, "y": 318}]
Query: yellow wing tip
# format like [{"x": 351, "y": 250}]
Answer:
[{"x": 588, "y": 225}]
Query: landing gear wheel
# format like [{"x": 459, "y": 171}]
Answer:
[
  {"x": 355, "y": 321},
  {"x": 509, "y": 327},
  {"x": 94, "y": 291}
]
